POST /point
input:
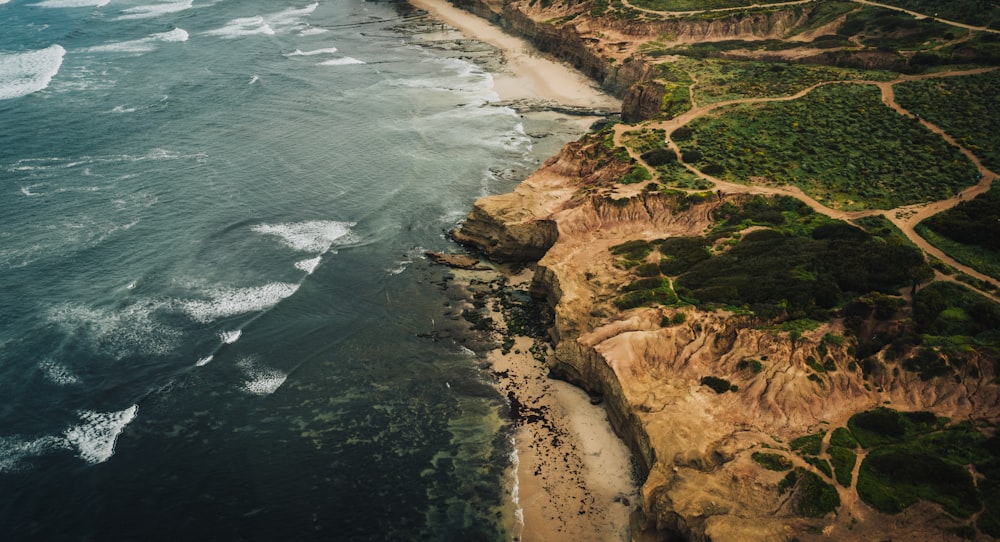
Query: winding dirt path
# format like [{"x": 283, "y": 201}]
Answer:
[
  {"x": 905, "y": 217},
  {"x": 925, "y": 16},
  {"x": 674, "y": 14}
]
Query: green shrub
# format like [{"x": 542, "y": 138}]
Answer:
[
  {"x": 891, "y": 480},
  {"x": 814, "y": 497},
  {"x": 809, "y": 444},
  {"x": 843, "y": 438},
  {"x": 843, "y": 461},
  {"x": 769, "y": 461},
  {"x": 718, "y": 385},
  {"x": 636, "y": 175}
]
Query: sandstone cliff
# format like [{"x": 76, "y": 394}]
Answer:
[{"x": 695, "y": 445}]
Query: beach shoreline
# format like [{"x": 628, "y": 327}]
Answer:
[
  {"x": 571, "y": 477},
  {"x": 527, "y": 74}
]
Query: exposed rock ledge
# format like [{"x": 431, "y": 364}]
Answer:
[{"x": 693, "y": 444}]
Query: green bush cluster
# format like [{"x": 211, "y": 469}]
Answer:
[
  {"x": 843, "y": 461},
  {"x": 771, "y": 461},
  {"x": 840, "y": 144},
  {"x": 911, "y": 456},
  {"x": 971, "y": 232},
  {"x": 791, "y": 277},
  {"x": 809, "y": 444},
  {"x": 972, "y": 12},
  {"x": 723, "y": 80},
  {"x": 963, "y": 106},
  {"x": 815, "y": 497},
  {"x": 718, "y": 385},
  {"x": 891, "y": 30},
  {"x": 946, "y": 309},
  {"x": 697, "y": 5}
]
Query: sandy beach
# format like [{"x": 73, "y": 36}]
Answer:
[
  {"x": 574, "y": 477},
  {"x": 529, "y": 75}
]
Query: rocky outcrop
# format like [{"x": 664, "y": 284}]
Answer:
[
  {"x": 507, "y": 234},
  {"x": 642, "y": 101},
  {"x": 695, "y": 445}
]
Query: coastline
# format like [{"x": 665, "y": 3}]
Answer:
[
  {"x": 528, "y": 75},
  {"x": 572, "y": 476}
]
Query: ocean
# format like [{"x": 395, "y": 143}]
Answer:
[{"x": 215, "y": 300}]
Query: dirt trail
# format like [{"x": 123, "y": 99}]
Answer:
[
  {"x": 905, "y": 218},
  {"x": 672, "y": 14},
  {"x": 925, "y": 16}
]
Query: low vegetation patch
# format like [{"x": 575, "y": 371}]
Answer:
[
  {"x": 965, "y": 107},
  {"x": 972, "y": 12},
  {"x": 718, "y": 385},
  {"x": 840, "y": 144},
  {"x": 723, "y": 80},
  {"x": 697, "y": 5},
  {"x": 969, "y": 232},
  {"x": 770, "y": 461}
]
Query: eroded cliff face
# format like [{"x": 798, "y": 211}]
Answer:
[{"x": 694, "y": 444}]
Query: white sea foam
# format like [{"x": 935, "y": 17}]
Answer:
[
  {"x": 118, "y": 109},
  {"x": 71, "y": 3},
  {"x": 57, "y": 373},
  {"x": 204, "y": 361},
  {"x": 345, "y": 61},
  {"x": 95, "y": 438},
  {"x": 26, "y": 190},
  {"x": 312, "y": 31},
  {"x": 311, "y": 236},
  {"x": 24, "y": 73},
  {"x": 153, "y": 10},
  {"x": 229, "y": 337},
  {"x": 515, "y": 491},
  {"x": 308, "y": 265},
  {"x": 261, "y": 380},
  {"x": 291, "y": 16},
  {"x": 253, "y": 79},
  {"x": 13, "y": 450},
  {"x": 244, "y": 26},
  {"x": 325, "y": 51},
  {"x": 126, "y": 331},
  {"x": 266, "y": 24},
  {"x": 143, "y": 45},
  {"x": 232, "y": 301}
]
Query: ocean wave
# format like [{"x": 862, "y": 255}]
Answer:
[
  {"x": 345, "y": 61},
  {"x": 265, "y": 24},
  {"x": 143, "y": 45},
  {"x": 244, "y": 26},
  {"x": 153, "y": 10},
  {"x": 71, "y": 3},
  {"x": 29, "y": 72},
  {"x": 312, "y": 236},
  {"x": 308, "y": 265},
  {"x": 57, "y": 373},
  {"x": 123, "y": 332},
  {"x": 261, "y": 380},
  {"x": 224, "y": 302},
  {"x": 324, "y": 51},
  {"x": 13, "y": 450},
  {"x": 229, "y": 337},
  {"x": 95, "y": 438},
  {"x": 312, "y": 31}
]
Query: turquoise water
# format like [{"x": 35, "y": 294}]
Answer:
[{"x": 212, "y": 221}]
